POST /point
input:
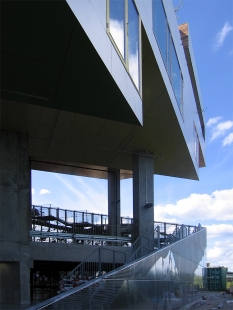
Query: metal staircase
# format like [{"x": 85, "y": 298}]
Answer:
[
  {"x": 102, "y": 275},
  {"x": 107, "y": 290}
]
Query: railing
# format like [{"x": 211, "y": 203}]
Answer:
[
  {"x": 50, "y": 224},
  {"x": 137, "y": 283},
  {"x": 140, "y": 248},
  {"x": 167, "y": 233},
  {"x": 88, "y": 239},
  {"x": 101, "y": 261}
]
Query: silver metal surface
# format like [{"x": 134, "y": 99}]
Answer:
[{"x": 165, "y": 279}]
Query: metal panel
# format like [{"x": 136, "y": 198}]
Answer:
[{"x": 165, "y": 279}]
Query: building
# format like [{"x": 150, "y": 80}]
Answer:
[
  {"x": 105, "y": 89},
  {"x": 215, "y": 278}
]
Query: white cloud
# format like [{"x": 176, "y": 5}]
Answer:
[
  {"x": 228, "y": 140},
  {"x": 134, "y": 68},
  {"x": 44, "y": 191},
  {"x": 221, "y": 254},
  {"x": 199, "y": 207},
  {"x": 213, "y": 121},
  {"x": 219, "y": 230},
  {"x": 91, "y": 198},
  {"x": 221, "y": 128},
  {"x": 117, "y": 32},
  {"x": 33, "y": 191},
  {"x": 221, "y": 35}
]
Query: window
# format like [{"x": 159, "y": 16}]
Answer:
[
  {"x": 160, "y": 27},
  {"x": 176, "y": 78},
  {"x": 196, "y": 145},
  {"x": 117, "y": 24},
  {"x": 124, "y": 28},
  {"x": 133, "y": 42},
  {"x": 167, "y": 49}
]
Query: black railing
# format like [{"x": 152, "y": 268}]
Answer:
[{"x": 50, "y": 224}]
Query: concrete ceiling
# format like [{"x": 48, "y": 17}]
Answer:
[{"x": 56, "y": 89}]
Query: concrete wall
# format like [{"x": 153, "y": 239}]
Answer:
[
  {"x": 9, "y": 282},
  {"x": 143, "y": 197},
  {"x": 67, "y": 252},
  {"x": 114, "y": 206},
  {"x": 15, "y": 217}
]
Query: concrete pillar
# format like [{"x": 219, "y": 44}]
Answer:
[
  {"x": 114, "y": 206},
  {"x": 143, "y": 197},
  {"x": 15, "y": 217}
]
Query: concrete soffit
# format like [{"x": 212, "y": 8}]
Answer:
[{"x": 57, "y": 89}]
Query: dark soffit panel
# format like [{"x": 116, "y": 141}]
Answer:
[{"x": 48, "y": 60}]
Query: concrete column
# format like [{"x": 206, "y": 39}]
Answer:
[
  {"x": 143, "y": 197},
  {"x": 114, "y": 207},
  {"x": 15, "y": 216}
]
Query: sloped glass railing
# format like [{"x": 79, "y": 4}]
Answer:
[{"x": 165, "y": 279}]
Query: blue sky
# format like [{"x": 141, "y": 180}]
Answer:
[{"x": 208, "y": 201}]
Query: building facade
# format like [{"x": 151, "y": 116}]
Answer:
[{"x": 98, "y": 88}]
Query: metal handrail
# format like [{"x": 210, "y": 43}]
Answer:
[
  {"x": 73, "y": 271},
  {"x": 45, "y": 234},
  {"x": 92, "y": 283},
  {"x": 135, "y": 256},
  {"x": 48, "y": 304},
  {"x": 83, "y": 226}
]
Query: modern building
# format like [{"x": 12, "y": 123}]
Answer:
[{"x": 97, "y": 88}]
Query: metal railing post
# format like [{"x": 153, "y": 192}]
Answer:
[
  {"x": 114, "y": 260},
  {"x": 158, "y": 234},
  {"x": 65, "y": 225},
  {"x": 49, "y": 213},
  {"x": 100, "y": 262}
]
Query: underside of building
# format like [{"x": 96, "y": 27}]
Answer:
[{"x": 94, "y": 88}]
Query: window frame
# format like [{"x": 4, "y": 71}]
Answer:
[
  {"x": 196, "y": 144},
  {"x": 180, "y": 104},
  {"x": 168, "y": 62},
  {"x": 126, "y": 38}
]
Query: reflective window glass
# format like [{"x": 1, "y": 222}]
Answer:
[
  {"x": 176, "y": 78},
  {"x": 196, "y": 145},
  {"x": 117, "y": 24},
  {"x": 169, "y": 47},
  {"x": 160, "y": 27},
  {"x": 133, "y": 42}
]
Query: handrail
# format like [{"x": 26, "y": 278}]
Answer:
[
  {"x": 138, "y": 246},
  {"x": 84, "y": 226},
  {"x": 92, "y": 283},
  {"x": 45, "y": 234},
  {"x": 134, "y": 255},
  {"x": 98, "y": 250}
]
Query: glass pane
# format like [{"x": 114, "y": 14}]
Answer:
[
  {"x": 133, "y": 32},
  {"x": 169, "y": 46},
  {"x": 176, "y": 78},
  {"x": 196, "y": 145},
  {"x": 117, "y": 24},
  {"x": 160, "y": 27}
]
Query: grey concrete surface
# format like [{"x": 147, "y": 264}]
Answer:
[
  {"x": 143, "y": 196},
  {"x": 15, "y": 218},
  {"x": 114, "y": 204}
]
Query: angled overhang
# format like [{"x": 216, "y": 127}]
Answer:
[
  {"x": 57, "y": 89},
  {"x": 187, "y": 45},
  {"x": 48, "y": 60}
]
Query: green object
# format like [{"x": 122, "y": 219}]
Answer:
[{"x": 215, "y": 278}]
